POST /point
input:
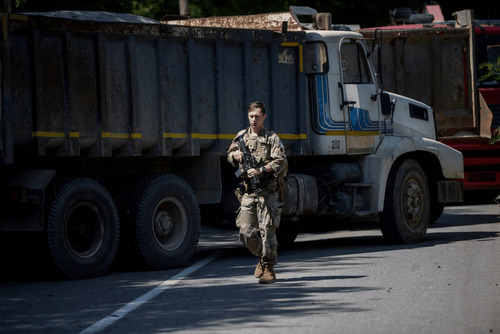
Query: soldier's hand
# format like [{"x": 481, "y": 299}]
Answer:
[
  {"x": 254, "y": 172},
  {"x": 238, "y": 156}
]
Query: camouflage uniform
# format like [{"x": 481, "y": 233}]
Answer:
[{"x": 259, "y": 215}]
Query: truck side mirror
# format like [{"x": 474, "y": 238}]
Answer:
[{"x": 385, "y": 104}]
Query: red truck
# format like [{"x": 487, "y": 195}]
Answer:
[{"x": 438, "y": 62}]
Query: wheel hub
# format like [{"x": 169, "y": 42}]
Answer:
[
  {"x": 84, "y": 230},
  {"x": 413, "y": 203},
  {"x": 163, "y": 223}
]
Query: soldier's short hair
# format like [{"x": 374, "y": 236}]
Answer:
[{"x": 257, "y": 105}]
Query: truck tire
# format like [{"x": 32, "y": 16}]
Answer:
[
  {"x": 407, "y": 204},
  {"x": 83, "y": 229},
  {"x": 165, "y": 221}
]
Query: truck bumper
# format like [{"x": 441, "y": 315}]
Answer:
[{"x": 482, "y": 180}]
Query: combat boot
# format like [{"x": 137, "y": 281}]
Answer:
[
  {"x": 259, "y": 270},
  {"x": 268, "y": 276}
]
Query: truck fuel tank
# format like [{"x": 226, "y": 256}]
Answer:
[{"x": 300, "y": 196}]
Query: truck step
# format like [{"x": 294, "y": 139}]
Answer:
[
  {"x": 357, "y": 185},
  {"x": 364, "y": 213}
]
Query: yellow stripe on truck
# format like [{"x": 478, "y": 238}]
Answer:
[{"x": 208, "y": 136}]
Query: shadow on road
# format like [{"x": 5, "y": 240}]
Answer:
[
  {"x": 21, "y": 259},
  {"x": 220, "y": 294},
  {"x": 229, "y": 300}
]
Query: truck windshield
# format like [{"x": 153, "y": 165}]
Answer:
[
  {"x": 488, "y": 72},
  {"x": 493, "y": 53},
  {"x": 354, "y": 64},
  {"x": 315, "y": 58}
]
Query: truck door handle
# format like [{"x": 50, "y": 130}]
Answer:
[{"x": 344, "y": 102}]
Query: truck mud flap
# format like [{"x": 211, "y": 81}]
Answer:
[{"x": 450, "y": 191}]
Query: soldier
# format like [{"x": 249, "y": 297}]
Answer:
[{"x": 259, "y": 213}]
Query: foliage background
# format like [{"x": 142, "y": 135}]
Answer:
[{"x": 366, "y": 13}]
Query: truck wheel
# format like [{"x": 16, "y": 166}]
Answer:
[
  {"x": 167, "y": 222},
  {"x": 407, "y": 204},
  {"x": 287, "y": 232},
  {"x": 83, "y": 229}
]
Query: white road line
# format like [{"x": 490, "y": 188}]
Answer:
[{"x": 120, "y": 313}]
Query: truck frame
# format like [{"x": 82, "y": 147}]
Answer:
[{"x": 114, "y": 131}]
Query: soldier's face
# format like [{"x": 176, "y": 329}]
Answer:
[{"x": 256, "y": 119}]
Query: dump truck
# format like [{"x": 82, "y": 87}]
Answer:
[
  {"x": 439, "y": 63},
  {"x": 114, "y": 132}
]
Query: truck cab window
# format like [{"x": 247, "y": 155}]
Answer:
[
  {"x": 354, "y": 64},
  {"x": 315, "y": 58},
  {"x": 493, "y": 53}
]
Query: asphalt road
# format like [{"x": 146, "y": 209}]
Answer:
[{"x": 341, "y": 280}]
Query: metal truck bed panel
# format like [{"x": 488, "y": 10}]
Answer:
[
  {"x": 431, "y": 66},
  {"x": 75, "y": 88}
]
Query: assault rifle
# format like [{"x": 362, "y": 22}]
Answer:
[{"x": 248, "y": 162}]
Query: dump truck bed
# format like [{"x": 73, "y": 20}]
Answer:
[{"x": 91, "y": 84}]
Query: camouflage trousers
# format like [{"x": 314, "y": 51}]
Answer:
[{"x": 258, "y": 218}]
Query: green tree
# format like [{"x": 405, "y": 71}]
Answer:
[
  {"x": 492, "y": 72},
  {"x": 366, "y": 13},
  {"x": 123, "y": 6},
  {"x": 363, "y": 12}
]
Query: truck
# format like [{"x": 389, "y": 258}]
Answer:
[
  {"x": 114, "y": 132},
  {"x": 439, "y": 63}
]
